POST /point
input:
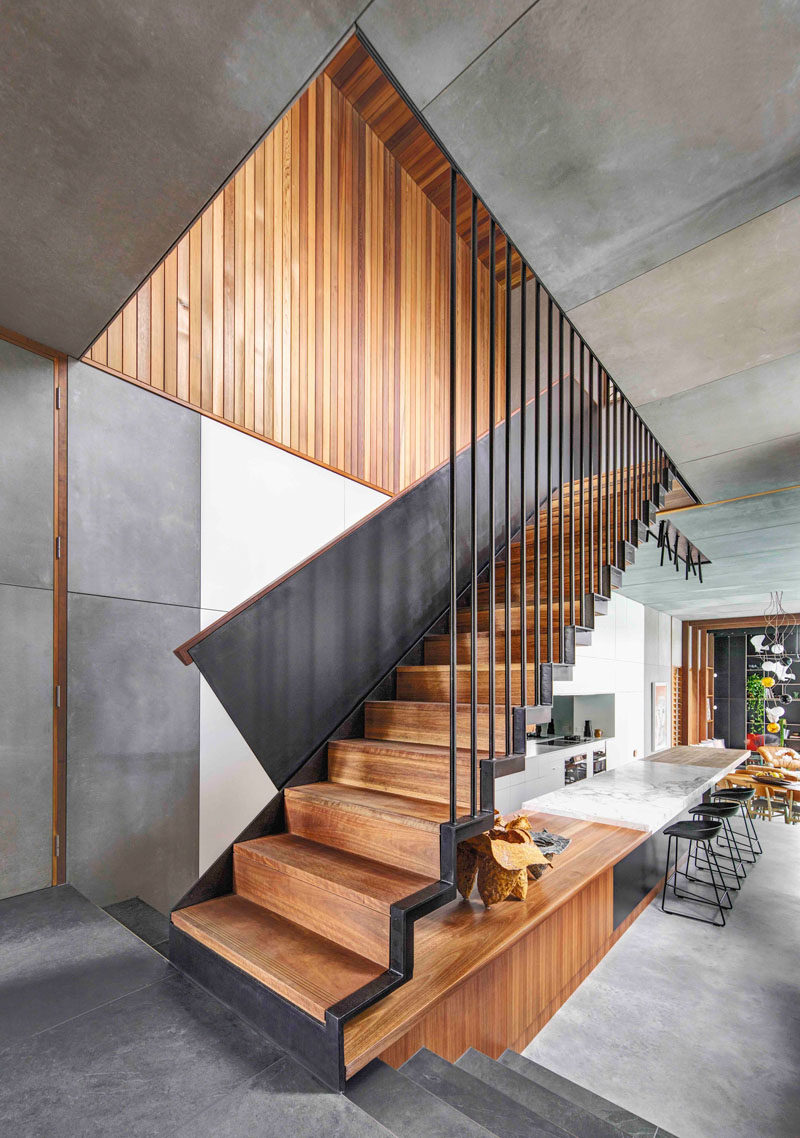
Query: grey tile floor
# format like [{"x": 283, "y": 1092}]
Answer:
[
  {"x": 100, "y": 1035},
  {"x": 697, "y": 1028}
]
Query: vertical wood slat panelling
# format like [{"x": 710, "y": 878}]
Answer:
[{"x": 309, "y": 304}]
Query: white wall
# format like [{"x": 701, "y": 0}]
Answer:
[
  {"x": 632, "y": 646},
  {"x": 262, "y": 511}
]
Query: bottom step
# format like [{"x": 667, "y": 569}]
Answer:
[
  {"x": 489, "y": 1107},
  {"x": 406, "y": 1109},
  {"x": 303, "y": 967},
  {"x": 624, "y": 1122}
]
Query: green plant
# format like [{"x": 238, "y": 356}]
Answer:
[{"x": 755, "y": 704}]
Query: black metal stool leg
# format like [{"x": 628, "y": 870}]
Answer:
[{"x": 750, "y": 821}]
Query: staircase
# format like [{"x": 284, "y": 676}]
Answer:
[
  {"x": 476, "y": 1096},
  {"x": 319, "y": 921}
]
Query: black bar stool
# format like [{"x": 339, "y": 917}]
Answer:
[
  {"x": 722, "y": 811},
  {"x": 700, "y": 833},
  {"x": 742, "y": 795}
]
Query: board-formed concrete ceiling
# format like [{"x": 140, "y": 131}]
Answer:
[{"x": 644, "y": 156}]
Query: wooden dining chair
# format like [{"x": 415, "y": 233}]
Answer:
[{"x": 768, "y": 801}]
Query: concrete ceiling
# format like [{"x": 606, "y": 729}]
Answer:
[
  {"x": 645, "y": 157},
  {"x": 118, "y": 121},
  {"x": 754, "y": 548}
]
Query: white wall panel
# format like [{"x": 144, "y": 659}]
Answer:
[
  {"x": 614, "y": 663},
  {"x": 233, "y": 784},
  {"x": 263, "y": 511}
]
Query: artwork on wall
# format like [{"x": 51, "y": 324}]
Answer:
[{"x": 659, "y": 729}]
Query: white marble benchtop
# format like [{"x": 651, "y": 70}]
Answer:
[{"x": 646, "y": 794}]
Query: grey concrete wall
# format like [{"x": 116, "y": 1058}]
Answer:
[
  {"x": 26, "y": 619},
  {"x": 134, "y": 579},
  {"x": 26, "y": 738}
]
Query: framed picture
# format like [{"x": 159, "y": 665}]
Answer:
[{"x": 659, "y": 722}]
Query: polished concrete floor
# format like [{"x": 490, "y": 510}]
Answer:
[{"x": 698, "y": 1028}]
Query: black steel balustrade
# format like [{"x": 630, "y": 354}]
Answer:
[{"x": 591, "y": 454}]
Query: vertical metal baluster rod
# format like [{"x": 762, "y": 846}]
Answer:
[
  {"x": 507, "y": 590},
  {"x": 523, "y": 487},
  {"x": 572, "y": 615},
  {"x": 550, "y": 479},
  {"x": 607, "y": 425},
  {"x": 561, "y": 502},
  {"x": 537, "y": 495},
  {"x": 582, "y": 477},
  {"x": 615, "y": 452},
  {"x": 492, "y": 541},
  {"x": 453, "y": 518},
  {"x": 593, "y": 473},
  {"x": 473, "y": 506}
]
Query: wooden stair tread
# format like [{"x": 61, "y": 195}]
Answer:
[
  {"x": 299, "y": 965},
  {"x": 413, "y": 811},
  {"x": 396, "y": 747},
  {"x": 360, "y": 879}
]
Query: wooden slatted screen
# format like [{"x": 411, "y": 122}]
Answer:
[{"x": 308, "y": 304}]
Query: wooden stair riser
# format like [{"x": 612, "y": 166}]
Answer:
[
  {"x": 433, "y": 684},
  {"x": 423, "y": 722},
  {"x": 421, "y": 774},
  {"x": 437, "y": 648},
  {"x": 555, "y": 559},
  {"x": 391, "y": 841},
  {"x": 484, "y": 592},
  {"x": 356, "y": 927},
  {"x": 484, "y": 611}
]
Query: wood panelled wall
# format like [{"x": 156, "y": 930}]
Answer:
[{"x": 309, "y": 304}]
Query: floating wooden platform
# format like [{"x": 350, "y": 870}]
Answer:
[{"x": 491, "y": 978}]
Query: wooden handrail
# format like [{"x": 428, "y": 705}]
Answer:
[{"x": 183, "y": 650}]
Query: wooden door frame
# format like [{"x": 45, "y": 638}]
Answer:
[
  {"x": 58, "y": 847},
  {"x": 697, "y": 681}
]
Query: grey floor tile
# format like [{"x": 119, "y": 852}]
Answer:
[
  {"x": 477, "y": 1100},
  {"x": 142, "y": 919},
  {"x": 283, "y": 1100},
  {"x": 60, "y": 956},
  {"x": 406, "y": 1109},
  {"x": 137, "y": 1067}
]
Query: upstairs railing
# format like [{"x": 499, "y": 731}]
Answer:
[{"x": 589, "y": 453}]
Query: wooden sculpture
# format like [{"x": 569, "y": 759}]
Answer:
[{"x": 503, "y": 859}]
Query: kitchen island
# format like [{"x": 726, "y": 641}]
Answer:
[{"x": 646, "y": 794}]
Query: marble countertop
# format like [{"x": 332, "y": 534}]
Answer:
[{"x": 646, "y": 794}]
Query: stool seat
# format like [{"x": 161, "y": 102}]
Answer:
[
  {"x": 735, "y": 793},
  {"x": 722, "y": 809},
  {"x": 693, "y": 831}
]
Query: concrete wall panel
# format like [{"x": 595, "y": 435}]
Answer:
[
  {"x": 26, "y": 468},
  {"x": 133, "y": 728},
  {"x": 134, "y": 497},
  {"x": 26, "y": 738}
]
